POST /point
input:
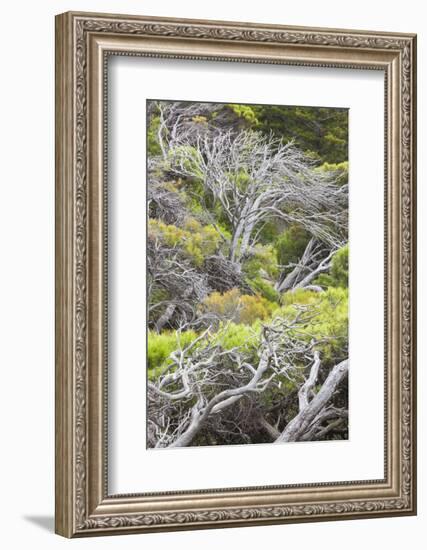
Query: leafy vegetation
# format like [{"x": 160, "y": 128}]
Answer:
[{"x": 247, "y": 270}]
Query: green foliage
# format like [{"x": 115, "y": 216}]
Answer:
[
  {"x": 261, "y": 268},
  {"x": 160, "y": 346},
  {"x": 265, "y": 288},
  {"x": 263, "y": 257},
  {"x": 157, "y": 296},
  {"x": 153, "y": 147},
  {"x": 240, "y": 179},
  {"x": 291, "y": 244},
  {"x": 321, "y": 132},
  {"x": 188, "y": 157},
  {"x": 224, "y": 305},
  {"x": 269, "y": 231},
  {"x": 253, "y": 308},
  {"x": 243, "y": 309},
  {"x": 330, "y": 318},
  {"x": 340, "y": 169},
  {"x": 245, "y": 112},
  {"x": 229, "y": 335},
  {"x": 196, "y": 240},
  {"x": 338, "y": 273},
  {"x": 194, "y": 196},
  {"x": 234, "y": 335},
  {"x": 239, "y": 317},
  {"x": 317, "y": 130},
  {"x": 198, "y": 119}
]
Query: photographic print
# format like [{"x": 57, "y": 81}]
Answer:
[
  {"x": 247, "y": 274},
  {"x": 203, "y": 245}
]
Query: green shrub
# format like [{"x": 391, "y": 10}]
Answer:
[
  {"x": 234, "y": 335},
  {"x": 338, "y": 273},
  {"x": 229, "y": 335},
  {"x": 160, "y": 346},
  {"x": 291, "y": 244},
  {"x": 153, "y": 146},
  {"x": 196, "y": 240},
  {"x": 226, "y": 305},
  {"x": 245, "y": 112},
  {"x": 265, "y": 288},
  {"x": 329, "y": 312},
  {"x": 253, "y": 308},
  {"x": 262, "y": 258},
  {"x": 340, "y": 169},
  {"x": 190, "y": 159},
  {"x": 233, "y": 306}
]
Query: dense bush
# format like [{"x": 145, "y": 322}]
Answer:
[
  {"x": 290, "y": 244},
  {"x": 265, "y": 288},
  {"x": 160, "y": 346},
  {"x": 329, "y": 323},
  {"x": 318, "y": 130},
  {"x": 263, "y": 258},
  {"x": 233, "y": 306},
  {"x": 338, "y": 273},
  {"x": 196, "y": 240},
  {"x": 235, "y": 335}
]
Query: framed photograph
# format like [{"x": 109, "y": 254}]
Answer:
[{"x": 235, "y": 274}]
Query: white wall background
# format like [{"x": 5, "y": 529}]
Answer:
[{"x": 27, "y": 274}]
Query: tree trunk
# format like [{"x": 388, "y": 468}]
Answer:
[
  {"x": 288, "y": 281},
  {"x": 297, "y": 427},
  {"x": 165, "y": 317}
]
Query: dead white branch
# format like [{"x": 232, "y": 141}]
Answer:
[
  {"x": 310, "y": 409},
  {"x": 256, "y": 178},
  {"x": 203, "y": 380}
]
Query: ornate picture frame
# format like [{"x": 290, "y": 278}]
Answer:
[{"x": 84, "y": 42}]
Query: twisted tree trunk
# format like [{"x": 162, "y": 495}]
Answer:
[{"x": 310, "y": 412}]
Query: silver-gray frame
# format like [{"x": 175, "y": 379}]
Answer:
[{"x": 83, "y": 43}]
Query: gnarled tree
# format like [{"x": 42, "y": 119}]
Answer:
[
  {"x": 203, "y": 383},
  {"x": 256, "y": 178}
]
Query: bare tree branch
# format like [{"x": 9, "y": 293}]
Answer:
[
  {"x": 256, "y": 178},
  {"x": 203, "y": 381},
  {"x": 296, "y": 429}
]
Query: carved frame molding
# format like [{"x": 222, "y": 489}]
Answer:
[{"x": 83, "y": 42}]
